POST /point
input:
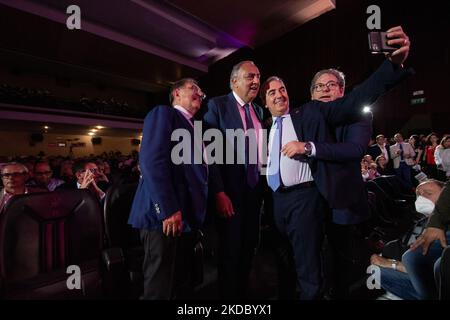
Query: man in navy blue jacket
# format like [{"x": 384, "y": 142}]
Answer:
[
  {"x": 170, "y": 202},
  {"x": 237, "y": 187},
  {"x": 344, "y": 157},
  {"x": 303, "y": 185}
]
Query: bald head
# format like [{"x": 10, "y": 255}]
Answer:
[{"x": 430, "y": 189}]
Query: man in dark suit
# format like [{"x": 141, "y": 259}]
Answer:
[
  {"x": 236, "y": 186},
  {"x": 303, "y": 185},
  {"x": 380, "y": 148},
  {"x": 343, "y": 227},
  {"x": 170, "y": 202}
]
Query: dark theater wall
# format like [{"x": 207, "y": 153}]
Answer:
[{"x": 339, "y": 39}]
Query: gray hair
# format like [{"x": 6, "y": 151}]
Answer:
[
  {"x": 179, "y": 84},
  {"x": 235, "y": 70},
  {"x": 340, "y": 76}
]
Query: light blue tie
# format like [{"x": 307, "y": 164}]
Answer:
[{"x": 273, "y": 174}]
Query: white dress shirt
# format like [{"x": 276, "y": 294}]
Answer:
[{"x": 293, "y": 171}]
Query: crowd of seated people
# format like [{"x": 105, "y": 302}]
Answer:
[
  {"x": 46, "y": 99},
  {"x": 46, "y": 174},
  {"x": 407, "y": 158}
]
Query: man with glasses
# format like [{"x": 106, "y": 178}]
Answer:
[
  {"x": 344, "y": 156},
  {"x": 43, "y": 177},
  {"x": 14, "y": 175},
  {"x": 170, "y": 203},
  {"x": 303, "y": 185},
  {"x": 237, "y": 187}
]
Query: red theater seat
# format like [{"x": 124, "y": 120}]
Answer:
[{"x": 41, "y": 235}]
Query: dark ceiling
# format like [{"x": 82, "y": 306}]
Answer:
[{"x": 142, "y": 44}]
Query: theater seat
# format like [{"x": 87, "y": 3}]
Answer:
[
  {"x": 120, "y": 235},
  {"x": 41, "y": 235}
]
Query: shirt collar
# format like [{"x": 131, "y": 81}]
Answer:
[
  {"x": 239, "y": 100},
  {"x": 186, "y": 113}
]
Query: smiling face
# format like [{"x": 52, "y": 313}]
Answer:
[
  {"x": 247, "y": 81},
  {"x": 327, "y": 88},
  {"x": 189, "y": 96},
  {"x": 277, "y": 99}
]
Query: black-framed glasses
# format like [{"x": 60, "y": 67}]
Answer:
[
  {"x": 319, "y": 87},
  {"x": 197, "y": 91},
  {"x": 10, "y": 175}
]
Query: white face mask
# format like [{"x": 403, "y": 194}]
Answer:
[{"x": 424, "y": 205}]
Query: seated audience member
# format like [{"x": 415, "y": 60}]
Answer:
[
  {"x": 442, "y": 158},
  {"x": 88, "y": 176},
  {"x": 43, "y": 177},
  {"x": 382, "y": 166},
  {"x": 14, "y": 175},
  {"x": 401, "y": 278},
  {"x": 368, "y": 158},
  {"x": 66, "y": 172}
]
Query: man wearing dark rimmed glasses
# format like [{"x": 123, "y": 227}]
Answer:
[
  {"x": 14, "y": 175},
  {"x": 344, "y": 157},
  {"x": 42, "y": 177}
]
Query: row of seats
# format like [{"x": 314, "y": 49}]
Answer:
[{"x": 42, "y": 234}]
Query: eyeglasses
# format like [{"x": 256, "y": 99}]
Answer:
[
  {"x": 10, "y": 175},
  {"x": 43, "y": 173},
  {"x": 197, "y": 91},
  {"x": 330, "y": 85}
]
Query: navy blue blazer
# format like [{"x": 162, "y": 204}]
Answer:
[
  {"x": 164, "y": 187},
  {"x": 344, "y": 157},
  {"x": 312, "y": 123},
  {"x": 223, "y": 114}
]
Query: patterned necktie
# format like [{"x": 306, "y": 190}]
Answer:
[
  {"x": 273, "y": 174},
  {"x": 252, "y": 169}
]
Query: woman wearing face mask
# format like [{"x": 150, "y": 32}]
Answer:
[{"x": 398, "y": 277}]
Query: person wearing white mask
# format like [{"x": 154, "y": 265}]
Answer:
[{"x": 396, "y": 276}]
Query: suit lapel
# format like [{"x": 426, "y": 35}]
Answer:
[
  {"x": 235, "y": 120},
  {"x": 297, "y": 121}
]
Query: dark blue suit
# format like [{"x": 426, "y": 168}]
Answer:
[
  {"x": 165, "y": 188},
  {"x": 238, "y": 235},
  {"x": 312, "y": 122},
  {"x": 344, "y": 157}
]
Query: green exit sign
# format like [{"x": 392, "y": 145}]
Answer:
[{"x": 418, "y": 101}]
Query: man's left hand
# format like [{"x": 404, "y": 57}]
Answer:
[
  {"x": 293, "y": 148},
  {"x": 398, "y": 37}
]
